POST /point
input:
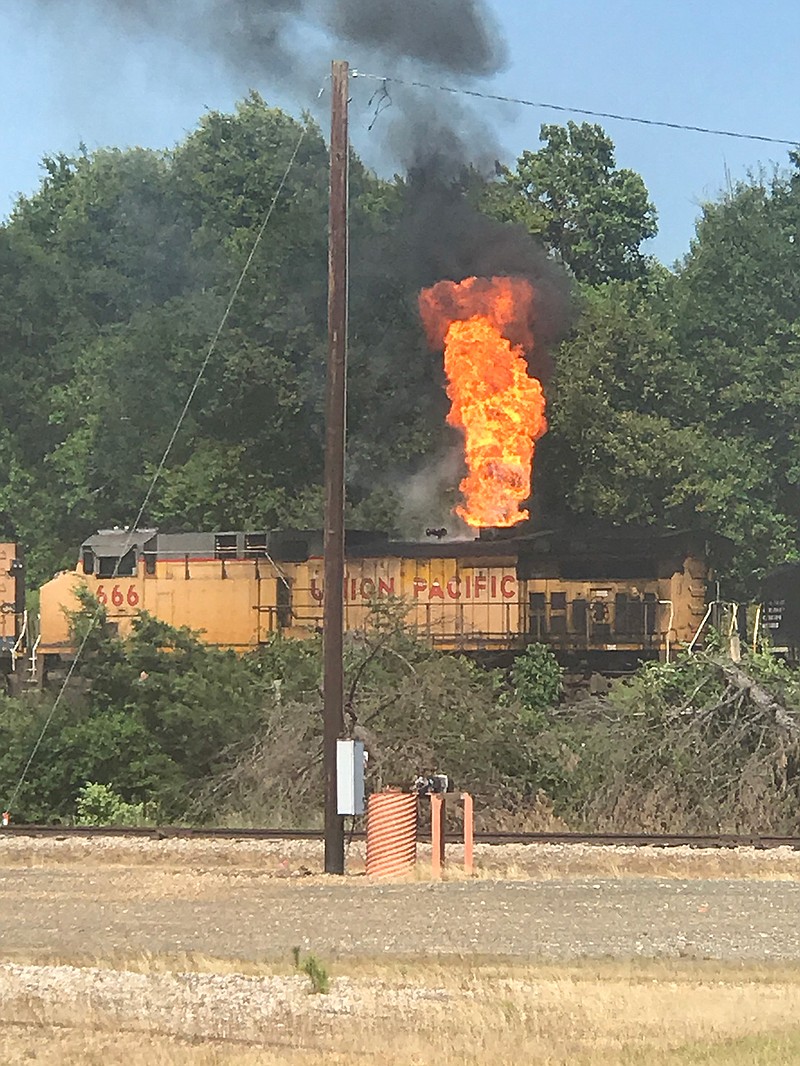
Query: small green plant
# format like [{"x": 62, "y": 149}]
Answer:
[
  {"x": 317, "y": 975},
  {"x": 315, "y": 970},
  {"x": 99, "y": 804}
]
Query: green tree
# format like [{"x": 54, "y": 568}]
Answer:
[
  {"x": 571, "y": 194},
  {"x": 153, "y": 716},
  {"x": 114, "y": 277},
  {"x": 101, "y": 805},
  {"x": 737, "y": 323},
  {"x": 632, "y": 433}
]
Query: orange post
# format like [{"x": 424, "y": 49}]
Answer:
[
  {"x": 437, "y": 833},
  {"x": 469, "y": 833}
]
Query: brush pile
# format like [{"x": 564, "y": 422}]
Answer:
[{"x": 701, "y": 745}]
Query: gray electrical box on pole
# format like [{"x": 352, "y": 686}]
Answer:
[{"x": 350, "y": 776}]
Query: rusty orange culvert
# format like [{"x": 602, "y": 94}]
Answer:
[{"x": 391, "y": 833}]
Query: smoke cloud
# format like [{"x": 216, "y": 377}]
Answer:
[
  {"x": 450, "y": 35},
  {"x": 428, "y": 497},
  {"x": 289, "y": 43},
  {"x": 434, "y": 136}
]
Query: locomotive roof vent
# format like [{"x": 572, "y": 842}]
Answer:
[{"x": 117, "y": 540}]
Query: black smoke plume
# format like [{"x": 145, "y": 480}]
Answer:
[
  {"x": 450, "y": 35},
  {"x": 289, "y": 43},
  {"x": 433, "y": 135}
]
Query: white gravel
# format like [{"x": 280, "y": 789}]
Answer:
[{"x": 197, "y": 1005}]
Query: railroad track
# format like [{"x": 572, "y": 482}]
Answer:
[{"x": 658, "y": 840}]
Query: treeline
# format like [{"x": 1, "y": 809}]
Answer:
[{"x": 674, "y": 396}]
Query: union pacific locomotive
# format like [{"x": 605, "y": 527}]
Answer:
[{"x": 610, "y": 595}]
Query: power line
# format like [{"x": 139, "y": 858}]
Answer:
[
  {"x": 153, "y": 481},
  {"x": 575, "y": 110}
]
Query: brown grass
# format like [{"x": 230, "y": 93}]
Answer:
[{"x": 664, "y": 1013}]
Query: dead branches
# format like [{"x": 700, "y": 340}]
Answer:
[
  {"x": 700, "y": 745},
  {"x": 754, "y": 692}
]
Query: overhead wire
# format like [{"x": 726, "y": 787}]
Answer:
[
  {"x": 460, "y": 91},
  {"x": 162, "y": 463}
]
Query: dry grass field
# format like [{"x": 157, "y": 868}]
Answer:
[
  {"x": 403, "y": 1013},
  {"x": 605, "y": 957}
]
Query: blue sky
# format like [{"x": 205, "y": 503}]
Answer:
[{"x": 725, "y": 64}]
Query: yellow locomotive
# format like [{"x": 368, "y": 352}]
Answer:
[{"x": 613, "y": 596}]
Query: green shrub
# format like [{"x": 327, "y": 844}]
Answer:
[
  {"x": 99, "y": 804},
  {"x": 536, "y": 677}
]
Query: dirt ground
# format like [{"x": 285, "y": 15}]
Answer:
[{"x": 255, "y": 901}]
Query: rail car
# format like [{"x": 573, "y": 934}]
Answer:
[
  {"x": 12, "y": 607},
  {"x": 615, "y": 596},
  {"x": 778, "y": 617}
]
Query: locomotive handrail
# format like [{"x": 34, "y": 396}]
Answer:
[
  {"x": 34, "y": 650},
  {"x": 756, "y": 628},
  {"x": 706, "y": 617},
  {"x": 15, "y": 651},
  {"x": 671, "y": 605}
]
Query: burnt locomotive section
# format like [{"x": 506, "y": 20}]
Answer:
[{"x": 606, "y": 596}]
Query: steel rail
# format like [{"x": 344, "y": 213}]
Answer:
[{"x": 760, "y": 841}]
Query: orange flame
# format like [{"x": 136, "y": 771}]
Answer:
[{"x": 499, "y": 408}]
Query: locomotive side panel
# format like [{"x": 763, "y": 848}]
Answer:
[
  {"x": 608, "y": 614},
  {"x": 688, "y": 592},
  {"x": 453, "y": 603},
  {"x": 661, "y": 609},
  {"x": 223, "y": 611},
  {"x": 12, "y": 605},
  {"x": 57, "y": 599},
  {"x": 228, "y": 603}
]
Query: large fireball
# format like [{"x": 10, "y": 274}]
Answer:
[{"x": 494, "y": 402}]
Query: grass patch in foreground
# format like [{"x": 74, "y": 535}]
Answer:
[{"x": 768, "y": 1049}]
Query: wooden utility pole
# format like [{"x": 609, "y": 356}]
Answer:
[{"x": 335, "y": 402}]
